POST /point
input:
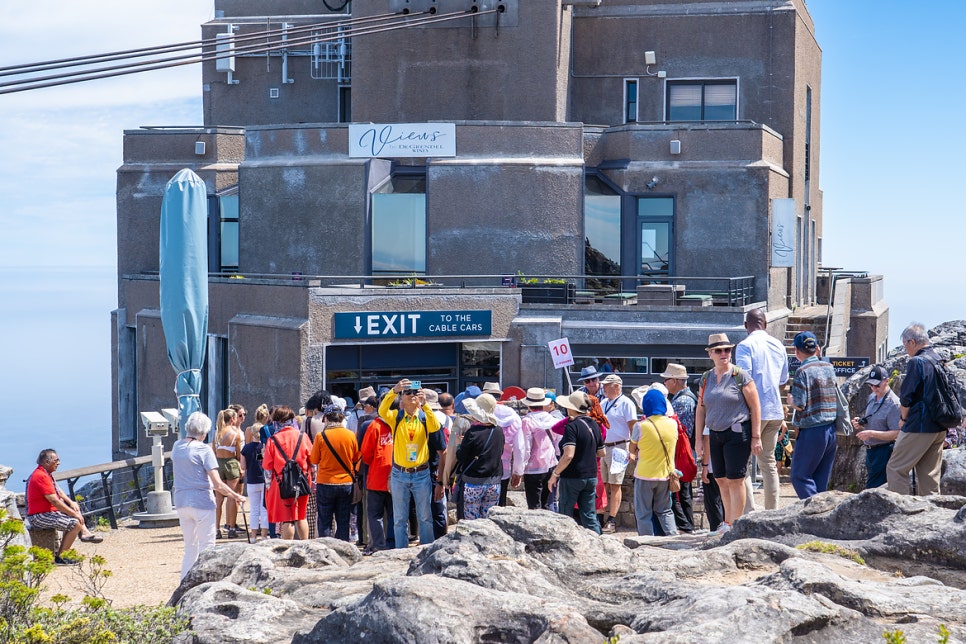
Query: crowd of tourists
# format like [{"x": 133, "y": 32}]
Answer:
[{"x": 383, "y": 472}]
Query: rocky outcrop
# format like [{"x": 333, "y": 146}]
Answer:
[
  {"x": 534, "y": 576},
  {"x": 949, "y": 340},
  {"x": 8, "y": 501}
]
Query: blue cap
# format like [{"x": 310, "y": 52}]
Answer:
[
  {"x": 473, "y": 391},
  {"x": 552, "y": 396},
  {"x": 806, "y": 341}
]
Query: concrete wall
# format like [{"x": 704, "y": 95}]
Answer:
[{"x": 457, "y": 72}]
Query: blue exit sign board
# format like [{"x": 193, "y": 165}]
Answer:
[{"x": 371, "y": 325}]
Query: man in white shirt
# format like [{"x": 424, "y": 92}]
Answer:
[
  {"x": 766, "y": 359},
  {"x": 621, "y": 413}
]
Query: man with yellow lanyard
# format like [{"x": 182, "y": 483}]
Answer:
[{"x": 411, "y": 426}]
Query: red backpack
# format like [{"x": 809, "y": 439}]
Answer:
[{"x": 683, "y": 455}]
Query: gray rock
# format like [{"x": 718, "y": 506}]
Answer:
[{"x": 533, "y": 576}]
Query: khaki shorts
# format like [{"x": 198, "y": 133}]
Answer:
[
  {"x": 229, "y": 469},
  {"x": 605, "y": 475}
]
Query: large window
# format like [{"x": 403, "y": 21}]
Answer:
[
  {"x": 702, "y": 100},
  {"x": 655, "y": 219},
  {"x": 602, "y": 228},
  {"x": 399, "y": 226}
]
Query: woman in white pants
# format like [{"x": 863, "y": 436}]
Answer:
[{"x": 195, "y": 481}]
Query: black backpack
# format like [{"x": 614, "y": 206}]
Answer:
[
  {"x": 292, "y": 482},
  {"x": 941, "y": 401}
]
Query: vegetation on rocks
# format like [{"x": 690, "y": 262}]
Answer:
[{"x": 24, "y": 621}]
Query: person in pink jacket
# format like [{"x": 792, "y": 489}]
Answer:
[
  {"x": 539, "y": 448},
  {"x": 514, "y": 461}
]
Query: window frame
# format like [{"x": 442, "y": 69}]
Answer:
[
  {"x": 703, "y": 83},
  {"x": 663, "y": 219},
  {"x": 636, "y": 103},
  {"x": 400, "y": 173}
]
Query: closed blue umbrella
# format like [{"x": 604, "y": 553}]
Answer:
[{"x": 184, "y": 284}]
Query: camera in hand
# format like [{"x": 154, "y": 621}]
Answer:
[{"x": 864, "y": 420}]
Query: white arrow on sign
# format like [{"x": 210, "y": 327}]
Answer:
[{"x": 358, "y": 326}]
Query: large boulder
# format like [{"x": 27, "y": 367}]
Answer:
[{"x": 534, "y": 576}]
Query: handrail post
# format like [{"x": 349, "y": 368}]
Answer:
[
  {"x": 137, "y": 487},
  {"x": 110, "y": 501}
]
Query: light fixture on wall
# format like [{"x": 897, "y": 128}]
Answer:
[{"x": 652, "y": 183}]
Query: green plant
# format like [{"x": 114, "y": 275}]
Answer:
[
  {"x": 103, "y": 523},
  {"x": 832, "y": 549},
  {"x": 90, "y": 577},
  {"x": 894, "y": 636},
  {"x": 943, "y": 634}
]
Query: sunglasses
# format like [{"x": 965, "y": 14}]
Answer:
[
  {"x": 721, "y": 350},
  {"x": 410, "y": 393}
]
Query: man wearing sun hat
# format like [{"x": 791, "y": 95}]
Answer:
[
  {"x": 622, "y": 415},
  {"x": 590, "y": 380},
  {"x": 878, "y": 428},
  {"x": 539, "y": 448},
  {"x": 576, "y": 473}
]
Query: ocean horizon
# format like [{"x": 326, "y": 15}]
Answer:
[{"x": 56, "y": 347}]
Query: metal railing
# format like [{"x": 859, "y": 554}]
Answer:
[
  {"x": 113, "y": 501},
  {"x": 723, "y": 291}
]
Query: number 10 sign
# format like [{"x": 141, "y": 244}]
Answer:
[{"x": 560, "y": 352}]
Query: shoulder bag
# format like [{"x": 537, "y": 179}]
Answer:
[
  {"x": 356, "y": 483},
  {"x": 673, "y": 478}
]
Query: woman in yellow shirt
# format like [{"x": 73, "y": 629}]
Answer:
[{"x": 652, "y": 444}]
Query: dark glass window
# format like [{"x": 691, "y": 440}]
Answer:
[
  {"x": 602, "y": 228},
  {"x": 698, "y": 100},
  {"x": 655, "y": 241},
  {"x": 630, "y": 101}
]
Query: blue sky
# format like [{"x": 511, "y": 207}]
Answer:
[{"x": 891, "y": 141}]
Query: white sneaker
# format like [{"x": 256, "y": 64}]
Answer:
[{"x": 724, "y": 527}]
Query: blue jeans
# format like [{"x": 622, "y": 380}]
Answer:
[
  {"x": 876, "y": 459},
  {"x": 378, "y": 505},
  {"x": 334, "y": 500},
  {"x": 418, "y": 486},
  {"x": 813, "y": 459},
  {"x": 583, "y": 492}
]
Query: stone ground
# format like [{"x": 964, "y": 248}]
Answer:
[{"x": 146, "y": 563}]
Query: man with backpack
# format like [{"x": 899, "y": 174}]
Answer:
[
  {"x": 411, "y": 426},
  {"x": 921, "y": 433}
]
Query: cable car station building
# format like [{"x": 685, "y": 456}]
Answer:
[{"x": 438, "y": 188}]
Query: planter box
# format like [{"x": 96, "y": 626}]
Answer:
[{"x": 548, "y": 293}]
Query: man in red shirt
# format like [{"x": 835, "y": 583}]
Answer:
[
  {"x": 50, "y": 509},
  {"x": 376, "y": 451}
]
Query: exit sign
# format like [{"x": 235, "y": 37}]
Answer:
[{"x": 372, "y": 325}]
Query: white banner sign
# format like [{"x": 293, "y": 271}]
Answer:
[
  {"x": 782, "y": 232},
  {"x": 560, "y": 352},
  {"x": 402, "y": 140}
]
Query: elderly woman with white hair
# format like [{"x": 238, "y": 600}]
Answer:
[{"x": 196, "y": 479}]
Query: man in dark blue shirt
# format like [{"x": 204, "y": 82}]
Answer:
[{"x": 919, "y": 446}]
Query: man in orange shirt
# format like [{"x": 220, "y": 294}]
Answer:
[{"x": 336, "y": 454}]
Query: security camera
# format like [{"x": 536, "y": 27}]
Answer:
[{"x": 154, "y": 423}]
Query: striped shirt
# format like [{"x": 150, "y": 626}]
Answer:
[{"x": 813, "y": 390}]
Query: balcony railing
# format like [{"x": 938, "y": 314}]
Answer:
[{"x": 657, "y": 290}]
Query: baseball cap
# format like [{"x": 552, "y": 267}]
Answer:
[
  {"x": 806, "y": 341},
  {"x": 877, "y": 375}
]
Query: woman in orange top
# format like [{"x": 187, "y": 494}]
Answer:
[
  {"x": 290, "y": 513},
  {"x": 336, "y": 453}
]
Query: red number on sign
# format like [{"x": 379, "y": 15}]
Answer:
[{"x": 560, "y": 349}]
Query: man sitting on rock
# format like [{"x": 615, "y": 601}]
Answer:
[{"x": 48, "y": 508}]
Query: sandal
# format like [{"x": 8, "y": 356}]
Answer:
[
  {"x": 218, "y": 534},
  {"x": 92, "y": 538}
]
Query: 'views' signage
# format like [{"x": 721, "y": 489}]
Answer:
[
  {"x": 409, "y": 140},
  {"x": 370, "y": 325}
]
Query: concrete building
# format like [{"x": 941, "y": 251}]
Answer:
[{"x": 631, "y": 175}]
